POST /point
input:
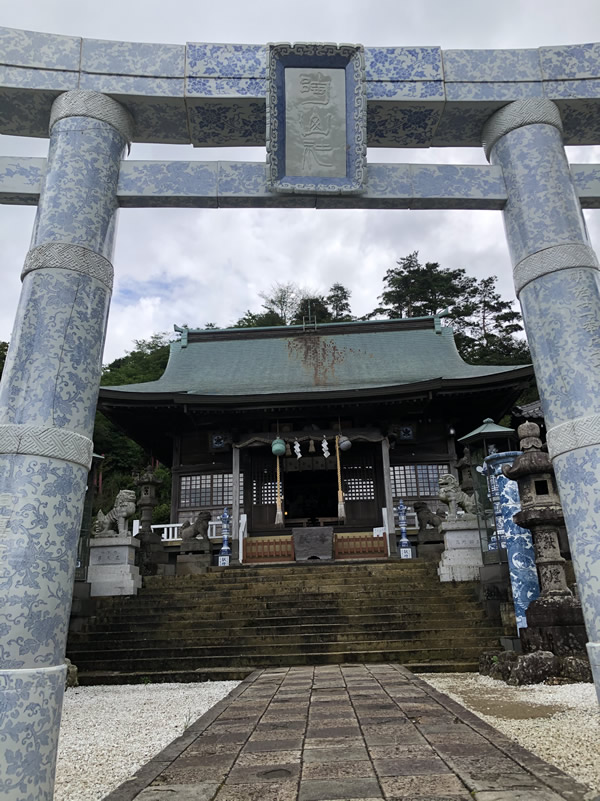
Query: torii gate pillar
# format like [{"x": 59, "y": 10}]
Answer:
[
  {"x": 47, "y": 405},
  {"x": 557, "y": 281}
]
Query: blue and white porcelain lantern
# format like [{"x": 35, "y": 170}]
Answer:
[
  {"x": 225, "y": 552},
  {"x": 405, "y": 546}
]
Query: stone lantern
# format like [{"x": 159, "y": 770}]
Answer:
[
  {"x": 486, "y": 440},
  {"x": 541, "y": 511},
  {"x": 151, "y": 550},
  {"x": 554, "y": 619}
]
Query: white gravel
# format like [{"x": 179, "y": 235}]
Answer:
[
  {"x": 107, "y": 733},
  {"x": 559, "y": 723}
]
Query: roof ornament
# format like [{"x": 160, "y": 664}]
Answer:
[{"x": 183, "y": 330}]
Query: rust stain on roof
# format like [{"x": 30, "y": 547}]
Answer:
[{"x": 319, "y": 355}]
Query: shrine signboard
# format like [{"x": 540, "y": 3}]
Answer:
[{"x": 316, "y": 119}]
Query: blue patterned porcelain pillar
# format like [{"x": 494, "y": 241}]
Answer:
[
  {"x": 519, "y": 545},
  {"x": 47, "y": 403},
  {"x": 557, "y": 283}
]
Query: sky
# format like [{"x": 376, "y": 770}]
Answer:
[{"x": 198, "y": 266}]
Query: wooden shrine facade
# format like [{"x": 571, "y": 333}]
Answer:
[{"x": 397, "y": 390}]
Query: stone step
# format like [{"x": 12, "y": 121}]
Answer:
[
  {"x": 320, "y": 656},
  {"x": 249, "y": 639},
  {"x": 304, "y": 604},
  {"x": 178, "y": 630},
  {"x": 294, "y": 588},
  {"x": 275, "y": 624},
  {"x": 227, "y": 622},
  {"x": 285, "y": 601},
  {"x": 94, "y": 677}
]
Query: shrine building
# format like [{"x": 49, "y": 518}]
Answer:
[{"x": 396, "y": 393}]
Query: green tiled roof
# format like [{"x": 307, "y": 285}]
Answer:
[{"x": 351, "y": 356}]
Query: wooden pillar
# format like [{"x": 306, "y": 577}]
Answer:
[
  {"x": 235, "y": 506},
  {"x": 389, "y": 497}
]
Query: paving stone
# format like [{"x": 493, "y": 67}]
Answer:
[
  {"x": 410, "y": 767},
  {"x": 514, "y": 780},
  {"x": 401, "y": 750},
  {"x": 333, "y": 742},
  {"x": 247, "y": 758},
  {"x": 208, "y": 747},
  {"x": 517, "y": 795},
  {"x": 422, "y": 786},
  {"x": 252, "y": 792},
  {"x": 333, "y": 789},
  {"x": 286, "y": 728},
  {"x": 280, "y": 744},
  {"x": 275, "y": 772},
  {"x": 189, "y": 774},
  {"x": 459, "y": 748},
  {"x": 354, "y": 754},
  {"x": 204, "y": 791},
  {"x": 338, "y": 770},
  {"x": 325, "y": 732}
]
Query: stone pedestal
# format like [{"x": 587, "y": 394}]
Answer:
[
  {"x": 192, "y": 564},
  {"x": 555, "y": 624},
  {"x": 461, "y": 558},
  {"x": 195, "y": 557},
  {"x": 112, "y": 569},
  {"x": 313, "y": 543}
]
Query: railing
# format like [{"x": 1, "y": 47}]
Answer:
[
  {"x": 168, "y": 531},
  {"x": 171, "y": 532}
]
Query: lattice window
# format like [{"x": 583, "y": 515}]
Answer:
[
  {"x": 208, "y": 489},
  {"x": 358, "y": 482},
  {"x": 264, "y": 483},
  {"x": 416, "y": 480}
]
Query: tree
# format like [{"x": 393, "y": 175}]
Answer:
[
  {"x": 283, "y": 300},
  {"x": 485, "y": 325},
  {"x": 312, "y": 309},
  {"x": 487, "y": 334},
  {"x": 122, "y": 456},
  {"x": 338, "y": 303},
  {"x": 252, "y": 320},
  {"x": 3, "y": 352},
  {"x": 416, "y": 290},
  {"x": 146, "y": 362}
]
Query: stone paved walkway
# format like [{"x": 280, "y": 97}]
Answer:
[{"x": 344, "y": 732}]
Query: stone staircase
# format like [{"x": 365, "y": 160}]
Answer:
[{"x": 227, "y": 623}]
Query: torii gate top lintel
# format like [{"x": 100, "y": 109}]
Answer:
[{"x": 213, "y": 95}]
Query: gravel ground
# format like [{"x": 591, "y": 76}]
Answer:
[
  {"x": 559, "y": 723},
  {"x": 107, "y": 733}
]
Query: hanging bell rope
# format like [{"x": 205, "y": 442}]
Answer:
[
  {"x": 341, "y": 505},
  {"x": 279, "y": 515}
]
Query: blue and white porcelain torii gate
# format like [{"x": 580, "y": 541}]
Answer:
[{"x": 305, "y": 103}]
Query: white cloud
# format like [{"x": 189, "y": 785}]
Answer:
[{"x": 198, "y": 266}]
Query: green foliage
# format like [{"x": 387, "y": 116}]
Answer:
[
  {"x": 338, "y": 301},
  {"x": 123, "y": 458},
  {"x": 282, "y": 300},
  {"x": 3, "y": 352},
  {"x": 311, "y": 309},
  {"x": 146, "y": 362},
  {"x": 290, "y": 304},
  {"x": 252, "y": 320},
  {"x": 485, "y": 325}
]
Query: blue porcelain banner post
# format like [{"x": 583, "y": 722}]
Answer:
[
  {"x": 47, "y": 404},
  {"x": 519, "y": 544},
  {"x": 558, "y": 285}
]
